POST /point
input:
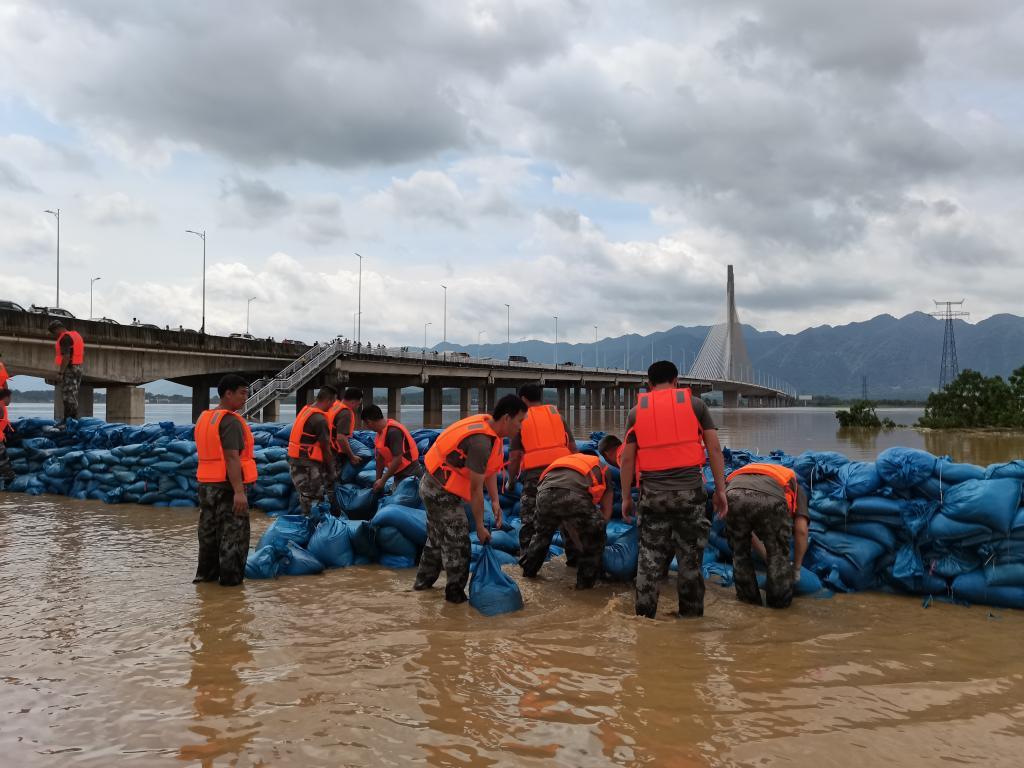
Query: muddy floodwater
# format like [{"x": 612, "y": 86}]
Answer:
[{"x": 110, "y": 656}]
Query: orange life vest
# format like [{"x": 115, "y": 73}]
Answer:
[
  {"x": 3, "y": 376},
  {"x": 77, "y": 349},
  {"x": 450, "y": 441},
  {"x": 212, "y": 466},
  {"x": 411, "y": 452},
  {"x": 668, "y": 435},
  {"x": 785, "y": 477},
  {"x": 303, "y": 444},
  {"x": 588, "y": 466},
  {"x": 5, "y": 423},
  {"x": 332, "y": 413},
  {"x": 544, "y": 437}
]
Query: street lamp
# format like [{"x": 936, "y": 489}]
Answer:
[
  {"x": 556, "y": 342},
  {"x": 508, "y": 333},
  {"x": 56, "y": 214},
  {"x": 425, "y": 326},
  {"x": 597, "y": 362},
  {"x": 354, "y": 315},
  {"x": 359, "y": 331},
  {"x": 481, "y": 333},
  {"x": 91, "y": 283},
  {"x": 248, "y": 305},
  {"x": 202, "y": 236},
  {"x": 444, "y": 325}
]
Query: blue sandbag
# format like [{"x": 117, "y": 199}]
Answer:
[
  {"x": 410, "y": 521},
  {"x": 992, "y": 503},
  {"x": 286, "y": 528},
  {"x": 275, "y": 490},
  {"x": 615, "y": 530},
  {"x": 619, "y": 559},
  {"x": 883, "y": 534},
  {"x": 181, "y": 503},
  {"x": 952, "y": 473},
  {"x": 391, "y": 542},
  {"x": 362, "y": 538},
  {"x": 908, "y": 574},
  {"x": 298, "y": 562},
  {"x": 808, "y": 584},
  {"x": 1004, "y": 573},
  {"x": 506, "y": 541},
  {"x": 879, "y": 509},
  {"x": 406, "y": 493},
  {"x": 491, "y": 591},
  {"x": 856, "y": 479},
  {"x": 814, "y": 466},
  {"x": 503, "y": 558},
  {"x": 953, "y": 562},
  {"x": 862, "y": 553},
  {"x": 271, "y": 504},
  {"x": 276, "y": 468},
  {"x": 932, "y": 488},
  {"x": 838, "y": 572},
  {"x": 972, "y": 588},
  {"x": 903, "y": 468},
  {"x": 1011, "y": 469},
  {"x": 943, "y": 528},
  {"x": 357, "y": 503},
  {"x": 330, "y": 543}
]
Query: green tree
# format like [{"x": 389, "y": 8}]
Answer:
[
  {"x": 973, "y": 400},
  {"x": 862, "y": 414}
]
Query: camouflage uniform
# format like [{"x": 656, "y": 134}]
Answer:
[
  {"x": 672, "y": 522},
  {"x": 576, "y": 514},
  {"x": 70, "y": 383},
  {"x": 447, "y": 544},
  {"x": 753, "y": 512},
  {"x": 310, "y": 481},
  {"x": 528, "y": 507},
  {"x": 223, "y": 536},
  {"x": 7, "y": 472}
]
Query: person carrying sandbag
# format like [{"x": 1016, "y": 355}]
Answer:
[
  {"x": 342, "y": 416},
  {"x": 310, "y": 460},
  {"x": 226, "y": 466},
  {"x": 466, "y": 457},
  {"x": 397, "y": 456}
]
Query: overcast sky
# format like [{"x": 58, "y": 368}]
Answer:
[{"x": 601, "y": 162}]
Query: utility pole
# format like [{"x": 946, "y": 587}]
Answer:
[
  {"x": 202, "y": 236},
  {"x": 248, "y": 306},
  {"x": 56, "y": 214},
  {"x": 508, "y": 332},
  {"x": 555, "y": 354},
  {"x": 425, "y": 326},
  {"x": 597, "y": 362},
  {"x": 444, "y": 324},
  {"x": 478, "y": 336},
  {"x": 359, "y": 309},
  {"x": 950, "y": 367},
  {"x": 91, "y": 283}
]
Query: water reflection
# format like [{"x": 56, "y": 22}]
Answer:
[{"x": 220, "y": 651}]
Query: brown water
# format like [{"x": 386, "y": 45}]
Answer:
[{"x": 110, "y": 656}]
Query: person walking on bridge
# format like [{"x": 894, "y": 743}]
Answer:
[
  {"x": 397, "y": 456},
  {"x": 667, "y": 433},
  {"x": 545, "y": 436},
  {"x": 309, "y": 451},
  {"x": 465, "y": 459},
  {"x": 227, "y": 466},
  {"x": 342, "y": 417},
  {"x": 766, "y": 500},
  {"x": 70, "y": 354}
]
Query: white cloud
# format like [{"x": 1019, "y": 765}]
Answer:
[{"x": 117, "y": 209}]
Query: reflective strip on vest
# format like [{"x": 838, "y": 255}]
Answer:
[
  {"x": 785, "y": 477},
  {"x": 410, "y": 453},
  {"x": 668, "y": 435},
  {"x": 303, "y": 444},
  {"x": 77, "y": 349},
  {"x": 213, "y": 467},
  {"x": 544, "y": 437},
  {"x": 456, "y": 479},
  {"x": 588, "y": 466}
]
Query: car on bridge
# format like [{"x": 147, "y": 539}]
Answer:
[
  {"x": 108, "y": 320},
  {"x": 12, "y": 306},
  {"x": 294, "y": 342},
  {"x": 517, "y": 359},
  {"x": 53, "y": 311},
  {"x": 246, "y": 336}
]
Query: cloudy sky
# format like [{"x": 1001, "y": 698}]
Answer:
[{"x": 601, "y": 162}]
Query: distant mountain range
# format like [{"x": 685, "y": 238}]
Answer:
[{"x": 900, "y": 356}]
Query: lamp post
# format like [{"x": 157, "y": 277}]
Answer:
[
  {"x": 626, "y": 361},
  {"x": 56, "y": 214},
  {"x": 444, "y": 324},
  {"x": 556, "y": 341},
  {"x": 508, "y": 333},
  {"x": 481, "y": 333},
  {"x": 359, "y": 313},
  {"x": 354, "y": 315},
  {"x": 425, "y": 326},
  {"x": 248, "y": 305},
  {"x": 597, "y": 362},
  {"x": 202, "y": 236},
  {"x": 91, "y": 283}
]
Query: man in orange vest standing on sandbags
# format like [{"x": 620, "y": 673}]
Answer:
[
  {"x": 464, "y": 459},
  {"x": 766, "y": 500},
  {"x": 545, "y": 436},
  {"x": 6, "y": 470},
  {"x": 309, "y": 451},
  {"x": 667, "y": 433},
  {"x": 70, "y": 354},
  {"x": 342, "y": 417},
  {"x": 226, "y": 466}
]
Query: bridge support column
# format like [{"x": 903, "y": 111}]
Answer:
[
  {"x": 463, "y": 402},
  {"x": 126, "y": 404},
  {"x": 432, "y": 405},
  {"x": 86, "y": 398},
  {"x": 200, "y": 401},
  {"x": 481, "y": 400},
  {"x": 576, "y": 398},
  {"x": 491, "y": 393},
  {"x": 394, "y": 402},
  {"x": 731, "y": 398},
  {"x": 563, "y": 398},
  {"x": 271, "y": 412},
  {"x": 303, "y": 397}
]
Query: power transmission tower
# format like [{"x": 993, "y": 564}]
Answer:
[{"x": 944, "y": 310}]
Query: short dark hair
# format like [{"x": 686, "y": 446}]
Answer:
[
  {"x": 508, "y": 405},
  {"x": 662, "y": 372},
  {"x": 372, "y": 412},
  {"x": 608, "y": 443},
  {"x": 326, "y": 391},
  {"x": 353, "y": 393},
  {"x": 54, "y": 325},
  {"x": 532, "y": 392},
  {"x": 230, "y": 383},
  {"x": 5, "y": 392}
]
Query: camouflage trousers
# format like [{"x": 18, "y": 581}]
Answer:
[
  {"x": 672, "y": 523},
  {"x": 70, "y": 383},
  {"x": 223, "y": 537},
  {"x": 581, "y": 523},
  {"x": 7, "y": 472},
  {"x": 528, "y": 508},
  {"x": 448, "y": 545},
  {"x": 310, "y": 481},
  {"x": 753, "y": 512}
]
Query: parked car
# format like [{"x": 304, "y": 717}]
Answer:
[
  {"x": 569, "y": 362},
  {"x": 517, "y": 359},
  {"x": 296, "y": 342},
  {"x": 246, "y": 336},
  {"x": 54, "y": 311},
  {"x": 109, "y": 320},
  {"x": 461, "y": 355},
  {"x": 14, "y": 307}
]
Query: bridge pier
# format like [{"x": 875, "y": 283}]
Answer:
[
  {"x": 126, "y": 404},
  {"x": 394, "y": 402},
  {"x": 432, "y": 405},
  {"x": 463, "y": 402},
  {"x": 731, "y": 398},
  {"x": 86, "y": 398},
  {"x": 491, "y": 397},
  {"x": 200, "y": 401},
  {"x": 303, "y": 397},
  {"x": 271, "y": 412},
  {"x": 576, "y": 398},
  {"x": 562, "y": 392}
]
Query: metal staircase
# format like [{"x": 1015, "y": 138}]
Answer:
[{"x": 264, "y": 391}]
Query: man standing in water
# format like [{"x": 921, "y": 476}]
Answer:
[
  {"x": 766, "y": 499},
  {"x": 226, "y": 466},
  {"x": 6, "y": 470},
  {"x": 667, "y": 433},
  {"x": 465, "y": 459},
  {"x": 70, "y": 354},
  {"x": 309, "y": 451},
  {"x": 398, "y": 456}
]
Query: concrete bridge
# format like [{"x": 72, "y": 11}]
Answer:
[{"x": 121, "y": 358}]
